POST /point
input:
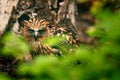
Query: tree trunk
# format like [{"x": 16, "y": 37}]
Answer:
[
  {"x": 61, "y": 13},
  {"x": 6, "y": 8},
  {"x": 58, "y": 12}
]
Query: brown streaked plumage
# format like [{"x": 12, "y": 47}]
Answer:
[{"x": 36, "y": 31}]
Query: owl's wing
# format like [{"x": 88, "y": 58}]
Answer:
[{"x": 69, "y": 35}]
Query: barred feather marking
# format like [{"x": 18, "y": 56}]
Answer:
[{"x": 38, "y": 47}]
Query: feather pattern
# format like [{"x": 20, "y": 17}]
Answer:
[{"x": 37, "y": 30}]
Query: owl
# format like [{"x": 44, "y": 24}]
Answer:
[{"x": 35, "y": 31}]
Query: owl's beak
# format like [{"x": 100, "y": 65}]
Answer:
[{"x": 36, "y": 35}]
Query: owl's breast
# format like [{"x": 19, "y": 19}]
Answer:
[{"x": 41, "y": 48}]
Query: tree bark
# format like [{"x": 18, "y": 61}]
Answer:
[
  {"x": 64, "y": 12},
  {"x": 6, "y": 8},
  {"x": 58, "y": 12}
]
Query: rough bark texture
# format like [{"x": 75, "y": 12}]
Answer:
[
  {"x": 6, "y": 8},
  {"x": 59, "y": 12}
]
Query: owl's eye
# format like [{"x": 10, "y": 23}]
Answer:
[
  {"x": 30, "y": 30},
  {"x": 41, "y": 31}
]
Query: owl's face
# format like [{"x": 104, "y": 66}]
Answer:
[{"x": 35, "y": 30}]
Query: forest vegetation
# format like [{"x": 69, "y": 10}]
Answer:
[{"x": 96, "y": 26}]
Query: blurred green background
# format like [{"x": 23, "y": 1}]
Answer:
[{"x": 100, "y": 61}]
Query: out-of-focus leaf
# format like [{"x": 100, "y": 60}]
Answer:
[
  {"x": 14, "y": 45},
  {"x": 3, "y": 77},
  {"x": 55, "y": 40}
]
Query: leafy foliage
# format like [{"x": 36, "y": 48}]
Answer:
[
  {"x": 85, "y": 62},
  {"x": 97, "y": 62},
  {"x": 14, "y": 45},
  {"x": 3, "y": 77}
]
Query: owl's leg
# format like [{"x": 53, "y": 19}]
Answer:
[
  {"x": 27, "y": 57},
  {"x": 57, "y": 52},
  {"x": 52, "y": 51}
]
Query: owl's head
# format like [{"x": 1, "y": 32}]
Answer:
[{"x": 35, "y": 29}]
